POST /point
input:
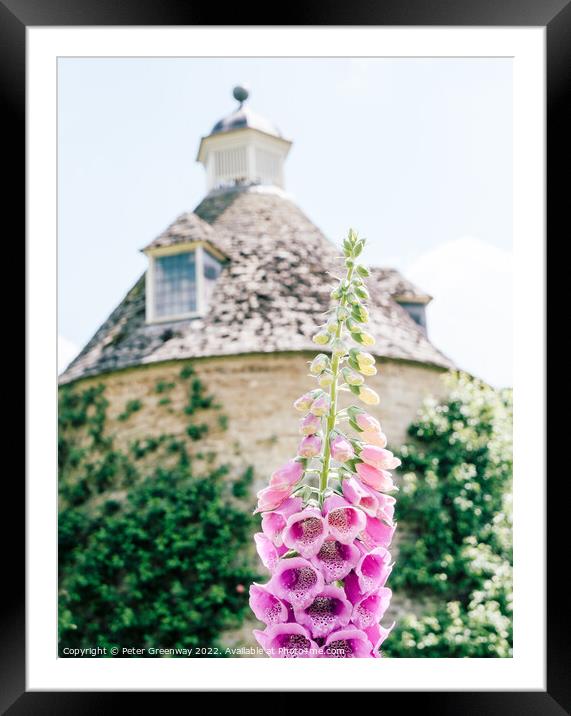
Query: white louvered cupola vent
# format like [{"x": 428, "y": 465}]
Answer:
[
  {"x": 243, "y": 148},
  {"x": 268, "y": 167},
  {"x": 230, "y": 164}
]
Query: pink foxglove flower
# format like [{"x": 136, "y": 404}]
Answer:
[
  {"x": 379, "y": 480},
  {"x": 303, "y": 403},
  {"x": 297, "y": 581},
  {"x": 335, "y": 560},
  {"x": 378, "y": 457},
  {"x": 310, "y": 424},
  {"x": 377, "y": 634},
  {"x": 344, "y": 521},
  {"x": 320, "y": 405},
  {"x": 310, "y": 446},
  {"x": 373, "y": 569},
  {"x": 267, "y": 551},
  {"x": 273, "y": 522},
  {"x": 326, "y": 518},
  {"x": 289, "y": 474},
  {"x": 267, "y": 608},
  {"x": 273, "y": 496},
  {"x": 341, "y": 449},
  {"x": 374, "y": 438},
  {"x": 367, "y": 422},
  {"x": 350, "y": 643},
  {"x": 305, "y": 532},
  {"x": 287, "y": 641},
  {"x": 377, "y": 532},
  {"x": 370, "y": 610},
  {"x": 357, "y": 493},
  {"x": 329, "y": 610}
]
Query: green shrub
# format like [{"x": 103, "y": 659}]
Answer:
[
  {"x": 163, "y": 570},
  {"x": 454, "y": 510},
  {"x": 153, "y": 551}
]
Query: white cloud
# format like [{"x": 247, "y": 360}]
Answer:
[
  {"x": 470, "y": 318},
  {"x": 66, "y": 352}
]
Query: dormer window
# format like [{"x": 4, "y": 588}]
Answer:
[
  {"x": 180, "y": 281},
  {"x": 417, "y": 311},
  {"x": 175, "y": 285}
]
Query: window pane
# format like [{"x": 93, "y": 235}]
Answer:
[
  {"x": 175, "y": 285},
  {"x": 212, "y": 269}
]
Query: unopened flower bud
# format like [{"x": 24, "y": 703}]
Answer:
[
  {"x": 364, "y": 338},
  {"x": 331, "y": 325},
  {"x": 367, "y": 422},
  {"x": 362, "y": 293},
  {"x": 360, "y": 313},
  {"x": 374, "y": 438},
  {"x": 368, "y": 396},
  {"x": 363, "y": 358},
  {"x": 310, "y": 446},
  {"x": 351, "y": 377},
  {"x": 303, "y": 403},
  {"x": 342, "y": 313},
  {"x": 326, "y": 379},
  {"x": 322, "y": 338},
  {"x": 338, "y": 348},
  {"x": 368, "y": 370},
  {"x": 320, "y": 405},
  {"x": 319, "y": 364},
  {"x": 379, "y": 457},
  {"x": 341, "y": 449},
  {"x": 310, "y": 424}
]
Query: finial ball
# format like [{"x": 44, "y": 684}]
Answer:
[{"x": 240, "y": 93}]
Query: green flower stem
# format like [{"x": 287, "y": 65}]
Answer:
[{"x": 331, "y": 416}]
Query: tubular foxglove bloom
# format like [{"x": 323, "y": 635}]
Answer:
[
  {"x": 310, "y": 446},
  {"x": 305, "y": 532},
  {"x": 268, "y": 553},
  {"x": 329, "y": 610},
  {"x": 287, "y": 641},
  {"x": 341, "y": 449},
  {"x": 297, "y": 581},
  {"x": 327, "y": 521},
  {"x": 273, "y": 522},
  {"x": 266, "y": 607}
]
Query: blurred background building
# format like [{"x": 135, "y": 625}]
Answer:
[{"x": 238, "y": 286}]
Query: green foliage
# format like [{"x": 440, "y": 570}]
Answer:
[
  {"x": 195, "y": 432},
  {"x": 162, "y": 386},
  {"x": 152, "y": 549},
  {"x": 454, "y": 509},
  {"x": 132, "y": 407},
  {"x": 241, "y": 487},
  {"x": 164, "y": 569}
]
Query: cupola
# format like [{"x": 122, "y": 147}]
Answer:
[{"x": 243, "y": 149}]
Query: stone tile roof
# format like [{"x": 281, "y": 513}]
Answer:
[
  {"x": 270, "y": 296},
  {"x": 396, "y": 285},
  {"x": 186, "y": 228}
]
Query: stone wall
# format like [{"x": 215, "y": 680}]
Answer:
[
  {"x": 256, "y": 423},
  {"x": 256, "y": 393}
]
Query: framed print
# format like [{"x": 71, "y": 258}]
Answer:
[{"x": 185, "y": 525}]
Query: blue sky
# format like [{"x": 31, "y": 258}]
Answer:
[{"x": 416, "y": 154}]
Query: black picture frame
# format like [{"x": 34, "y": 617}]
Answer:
[{"x": 555, "y": 15}]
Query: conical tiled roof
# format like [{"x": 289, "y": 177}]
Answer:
[{"x": 270, "y": 296}]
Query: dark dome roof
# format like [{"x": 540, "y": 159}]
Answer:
[{"x": 245, "y": 118}]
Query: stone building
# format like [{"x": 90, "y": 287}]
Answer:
[{"x": 238, "y": 286}]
